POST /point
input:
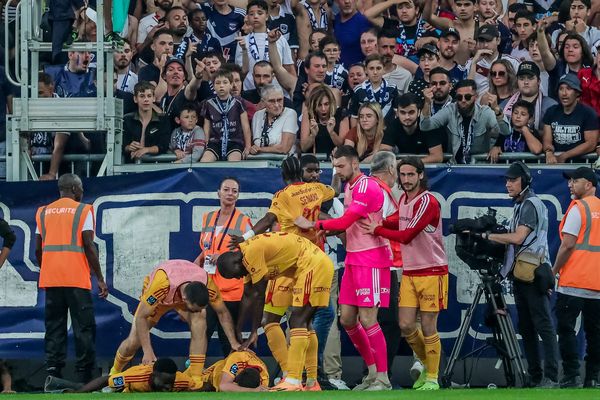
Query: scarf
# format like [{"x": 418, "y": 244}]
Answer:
[
  {"x": 537, "y": 115},
  {"x": 224, "y": 107},
  {"x": 253, "y": 48},
  {"x": 323, "y": 23}
]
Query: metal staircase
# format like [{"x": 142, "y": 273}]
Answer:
[{"x": 103, "y": 113}]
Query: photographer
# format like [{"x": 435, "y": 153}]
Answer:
[{"x": 527, "y": 263}]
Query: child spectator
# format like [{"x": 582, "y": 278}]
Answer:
[
  {"x": 522, "y": 138},
  {"x": 188, "y": 140},
  {"x": 226, "y": 123},
  {"x": 336, "y": 75}
]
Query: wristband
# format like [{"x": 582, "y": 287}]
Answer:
[{"x": 249, "y": 235}]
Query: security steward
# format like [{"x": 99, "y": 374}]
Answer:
[
  {"x": 217, "y": 226},
  {"x": 66, "y": 253},
  {"x": 527, "y": 262},
  {"x": 577, "y": 262}
]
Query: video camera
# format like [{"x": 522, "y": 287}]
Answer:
[{"x": 478, "y": 253}]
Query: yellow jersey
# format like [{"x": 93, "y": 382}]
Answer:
[
  {"x": 300, "y": 199},
  {"x": 235, "y": 363},
  {"x": 276, "y": 254},
  {"x": 137, "y": 379}
]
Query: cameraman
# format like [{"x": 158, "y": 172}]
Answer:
[{"x": 527, "y": 262}]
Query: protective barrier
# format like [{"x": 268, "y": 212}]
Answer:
[{"x": 142, "y": 219}]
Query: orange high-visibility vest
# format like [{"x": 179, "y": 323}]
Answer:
[
  {"x": 64, "y": 263},
  {"x": 216, "y": 243},
  {"x": 582, "y": 269}
]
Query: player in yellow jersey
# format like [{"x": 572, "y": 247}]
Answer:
[
  {"x": 297, "y": 199},
  {"x": 241, "y": 371},
  {"x": 272, "y": 255},
  {"x": 162, "y": 376}
]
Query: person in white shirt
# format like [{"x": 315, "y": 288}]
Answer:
[
  {"x": 126, "y": 78},
  {"x": 274, "y": 127},
  {"x": 254, "y": 47}
]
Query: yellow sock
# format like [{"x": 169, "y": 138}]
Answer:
[
  {"x": 417, "y": 344},
  {"x": 433, "y": 349},
  {"x": 312, "y": 355},
  {"x": 120, "y": 362},
  {"x": 196, "y": 364},
  {"x": 297, "y": 354},
  {"x": 278, "y": 344}
]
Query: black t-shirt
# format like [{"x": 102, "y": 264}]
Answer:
[
  {"x": 513, "y": 143},
  {"x": 419, "y": 142},
  {"x": 323, "y": 142},
  {"x": 149, "y": 73},
  {"x": 568, "y": 129},
  {"x": 172, "y": 105}
]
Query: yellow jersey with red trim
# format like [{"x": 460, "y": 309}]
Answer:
[
  {"x": 300, "y": 199},
  {"x": 275, "y": 254},
  {"x": 138, "y": 378}
]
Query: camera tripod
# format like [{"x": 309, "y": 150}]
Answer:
[{"x": 504, "y": 339}]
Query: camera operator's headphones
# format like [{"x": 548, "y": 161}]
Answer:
[{"x": 526, "y": 178}]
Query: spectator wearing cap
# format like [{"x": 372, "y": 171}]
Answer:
[
  {"x": 448, "y": 46},
  {"x": 529, "y": 89},
  {"x": 471, "y": 128},
  {"x": 392, "y": 73},
  {"x": 570, "y": 127},
  {"x": 590, "y": 83},
  {"x": 144, "y": 131},
  {"x": 172, "y": 92},
  {"x": 429, "y": 58},
  {"x": 578, "y": 289},
  {"x": 479, "y": 67}
]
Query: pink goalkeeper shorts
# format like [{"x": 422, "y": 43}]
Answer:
[{"x": 365, "y": 286}]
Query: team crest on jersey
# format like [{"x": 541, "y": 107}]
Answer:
[
  {"x": 283, "y": 28},
  {"x": 233, "y": 26},
  {"x": 151, "y": 300},
  {"x": 118, "y": 381},
  {"x": 234, "y": 369}
]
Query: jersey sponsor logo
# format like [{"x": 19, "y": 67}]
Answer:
[
  {"x": 385, "y": 290},
  {"x": 234, "y": 369},
  {"x": 151, "y": 300},
  {"x": 363, "y": 292},
  {"x": 321, "y": 290},
  {"x": 118, "y": 381}
]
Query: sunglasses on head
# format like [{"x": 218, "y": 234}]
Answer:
[
  {"x": 498, "y": 73},
  {"x": 466, "y": 97}
]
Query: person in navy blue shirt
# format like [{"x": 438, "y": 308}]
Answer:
[
  {"x": 348, "y": 25},
  {"x": 224, "y": 23}
]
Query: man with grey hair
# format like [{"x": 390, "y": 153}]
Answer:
[
  {"x": 274, "y": 127},
  {"x": 66, "y": 253}
]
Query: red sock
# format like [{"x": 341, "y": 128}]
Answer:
[
  {"x": 360, "y": 340},
  {"x": 379, "y": 347}
]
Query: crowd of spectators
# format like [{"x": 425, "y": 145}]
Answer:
[{"x": 224, "y": 80}]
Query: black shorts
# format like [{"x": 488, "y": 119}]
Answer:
[{"x": 215, "y": 148}]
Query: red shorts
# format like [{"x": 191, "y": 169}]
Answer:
[{"x": 365, "y": 286}]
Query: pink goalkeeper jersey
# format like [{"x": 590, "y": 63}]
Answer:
[{"x": 367, "y": 198}]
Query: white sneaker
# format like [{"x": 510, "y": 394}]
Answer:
[
  {"x": 366, "y": 382},
  {"x": 416, "y": 370},
  {"x": 379, "y": 385},
  {"x": 339, "y": 384}
]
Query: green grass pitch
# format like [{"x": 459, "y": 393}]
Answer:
[{"x": 458, "y": 394}]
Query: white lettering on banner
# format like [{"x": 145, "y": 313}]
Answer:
[{"x": 140, "y": 241}]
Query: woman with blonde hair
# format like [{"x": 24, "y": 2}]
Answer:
[
  {"x": 502, "y": 84},
  {"x": 319, "y": 130},
  {"x": 367, "y": 135}
]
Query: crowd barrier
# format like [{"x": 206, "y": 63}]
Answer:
[{"x": 142, "y": 219}]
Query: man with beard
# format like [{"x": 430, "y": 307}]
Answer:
[
  {"x": 177, "y": 22},
  {"x": 439, "y": 89},
  {"x": 126, "y": 78},
  {"x": 162, "y": 49},
  {"x": 262, "y": 75},
  {"x": 152, "y": 22},
  {"x": 569, "y": 127},
  {"x": 75, "y": 79},
  {"x": 403, "y": 132},
  {"x": 424, "y": 288},
  {"x": 528, "y": 81},
  {"x": 471, "y": 128},
  {"x": 392, "y": 73},
  {"x": 366, "y": 281},
  {"x": 408, "y": 28},
  {"x": 448, "y": 45}
]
